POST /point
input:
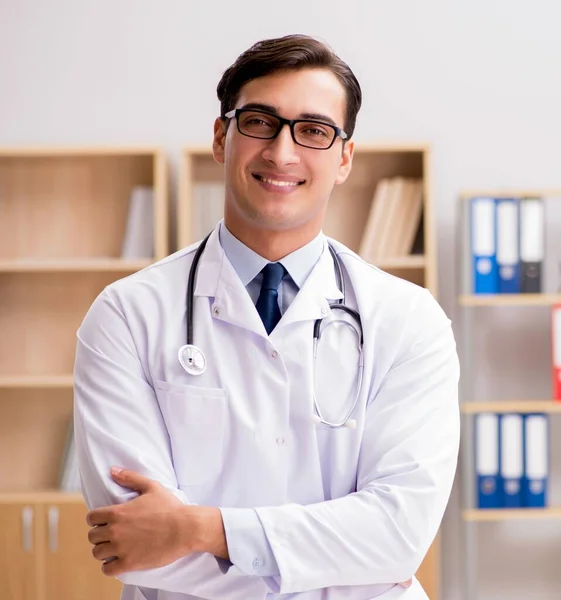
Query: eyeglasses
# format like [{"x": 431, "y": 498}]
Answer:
[{"x": 266, "y": 126}]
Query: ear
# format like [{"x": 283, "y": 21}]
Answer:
[
  {"x": 219, "y": 140},
  {"x": 346, "y": 163}
]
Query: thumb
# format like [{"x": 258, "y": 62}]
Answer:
[
  {"x": 406, "y": 584},
  {"x": 131, "y": 479}
]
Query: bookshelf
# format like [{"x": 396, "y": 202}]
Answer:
[
  {"x": 64, "y": 214},
  {"x": 345, "y": 221},
  {"x": 471, "y": 306}
]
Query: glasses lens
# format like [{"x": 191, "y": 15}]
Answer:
[
  {"x": 256, "y": 124},
  {"x": 313, "y": 135}
]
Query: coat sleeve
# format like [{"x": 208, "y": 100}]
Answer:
[
  {"x": 117, "y": 421},
  {"x": 381, "y": 533}
]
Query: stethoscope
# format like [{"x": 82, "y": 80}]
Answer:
[{"x": 194, "y": 362}]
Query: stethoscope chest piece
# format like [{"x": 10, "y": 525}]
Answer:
[{"x": 192, "y": 359}]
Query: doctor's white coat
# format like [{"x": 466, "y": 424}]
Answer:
[{"x": 347, "y": 512}]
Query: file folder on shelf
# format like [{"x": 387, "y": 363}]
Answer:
[
  {"x": 508, "y": 252},
  {"x": 483, "y": 245},
  {"x": 536, "y": 460},
  {"x": 512, "y": 458},
  {"x": 532, "y": 244},
  {"x": 487, "y": 461}
]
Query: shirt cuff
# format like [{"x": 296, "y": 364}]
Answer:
[{"x": 248, "y": 546}]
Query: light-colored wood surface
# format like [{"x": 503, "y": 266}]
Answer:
[
  {"x": 509, "y": 299},
  {"x": 39, "y": 317},
  {"x": 517, "y": 406},
  {"x": 511, "y": 193},
  {"x": 33, "y": 428},
  {"x": 45, "y": 496},
  {"x": 18, "y": 565},
  {"x": 70, "y": 265},
  {"x": 501, "y": 514},
  {"x": 70, "y": 569},
  {"x": 36, "y": 381}
]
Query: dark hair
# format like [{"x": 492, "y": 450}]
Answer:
[{"x": 291, "y": 52}]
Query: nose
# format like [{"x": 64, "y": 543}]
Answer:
[{"x": 281, "y": 150}]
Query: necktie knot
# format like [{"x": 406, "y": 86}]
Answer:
[{"x": 272, "y": 276}]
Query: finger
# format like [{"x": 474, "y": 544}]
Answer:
[
  {"x": 406, "y": 584},
  {"x": 112, "y": 568},
  {"x": 99, "y": 516},
  {"x": 99, "y": 534},
  {"x": 132, "y": 480},
  {"x": 104, "y": 551}
]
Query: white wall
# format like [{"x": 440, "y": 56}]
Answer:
[{"x": 478, "y": 79}]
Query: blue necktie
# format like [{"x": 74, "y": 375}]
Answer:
[{"x": 267, "y": 304}]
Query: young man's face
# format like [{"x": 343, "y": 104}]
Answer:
[{"x": 276, "y": 184}]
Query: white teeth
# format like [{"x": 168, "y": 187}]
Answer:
[{"x": 279, "y": 183}]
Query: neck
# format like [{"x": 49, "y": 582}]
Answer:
[{"x": 272, "y": 244}]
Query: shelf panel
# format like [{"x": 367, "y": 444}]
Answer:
[
  {"x": 36, "y": 381},
  {"x": 512, "y": 193},
  {"x": 509, "y": 299},
  {"x": 94, "y": 265},
  {"x": 518, "y": 406},
  {"x": 402, "y": 262},
  {"x": 506, "y": 514},
  {"x": 41, "y": 497}
]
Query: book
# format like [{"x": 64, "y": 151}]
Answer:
[{"x": 138, "y": 241}]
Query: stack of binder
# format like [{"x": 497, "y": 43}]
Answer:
[
  {"x": 507, "y": 245},
  {"x": 511, "y": 460}
]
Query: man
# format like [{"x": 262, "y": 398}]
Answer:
[{"x": 234, "y": 486}]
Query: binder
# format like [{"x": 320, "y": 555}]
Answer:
[
  {"x": 536, "y": 460},
  {"x": 508, "y": 253},
  {"x": 138, "y": 241},
  {"x": 556, "y": 351},
  {"x": 512, "y": 458},
  {"x": 483, "y": 245},
  {"x": 487, "y": 436},
  {"x": 531, "y": 244}
]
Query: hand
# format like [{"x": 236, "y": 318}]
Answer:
[
  {"x": 143, "y": 533},
  {"x": 407, "y": 583}
]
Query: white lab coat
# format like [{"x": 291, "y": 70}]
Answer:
[{"x": 347, "y": 512}]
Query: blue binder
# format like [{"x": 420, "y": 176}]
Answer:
[
  {"x": 512, "y": 458},
  {"x": 536, "y": 460},
  {"x": 483, "y": 245},
  {"x": 508, "y": 245},
  {"x": 487, "y": 461}
]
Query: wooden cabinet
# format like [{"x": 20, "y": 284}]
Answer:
[
  {"x": 70, "y": 569},
  {"x": 18, "y": 552},
  {"x": 45, "y": 553},
  {"x": 64, "y": 217}
]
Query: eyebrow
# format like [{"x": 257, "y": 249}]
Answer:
[{"x": 274, "y": 110}]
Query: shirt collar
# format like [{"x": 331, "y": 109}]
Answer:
[{"x": 248, "y": 264}]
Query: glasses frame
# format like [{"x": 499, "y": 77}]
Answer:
[{"x": 236, "y": 112}]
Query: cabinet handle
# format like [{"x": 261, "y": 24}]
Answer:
[
  {"x": 27, "y": 528},
  {"x": 53, "y": 528}
]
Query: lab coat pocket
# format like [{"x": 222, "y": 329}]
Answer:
[{"x": 196, "y": 421}]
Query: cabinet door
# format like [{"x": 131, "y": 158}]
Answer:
[
  {"x": 70, "y": 569},
  {"x": 18, "y": 552}
]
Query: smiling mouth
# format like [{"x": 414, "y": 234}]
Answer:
[{"x": 280, "y": 184}]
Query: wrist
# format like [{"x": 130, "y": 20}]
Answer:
[{"x": 204, "y": 531}]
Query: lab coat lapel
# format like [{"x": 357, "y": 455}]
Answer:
[
  {"x": 312, "y": 301},
  {"x": 217, "y": 279}
]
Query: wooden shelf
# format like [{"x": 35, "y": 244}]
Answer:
[
  {"x": 507, "y": 514},
  {"x": 509, "y": 299},
  {"x": 403, "y": 262},
  {"x": 95, "y": 265},
  {"x": 41, "y": 497},
  {"x": 36, "y": 381},
  {"x": 511, "y": 193},
  {"x": 517, "y": 406}
]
